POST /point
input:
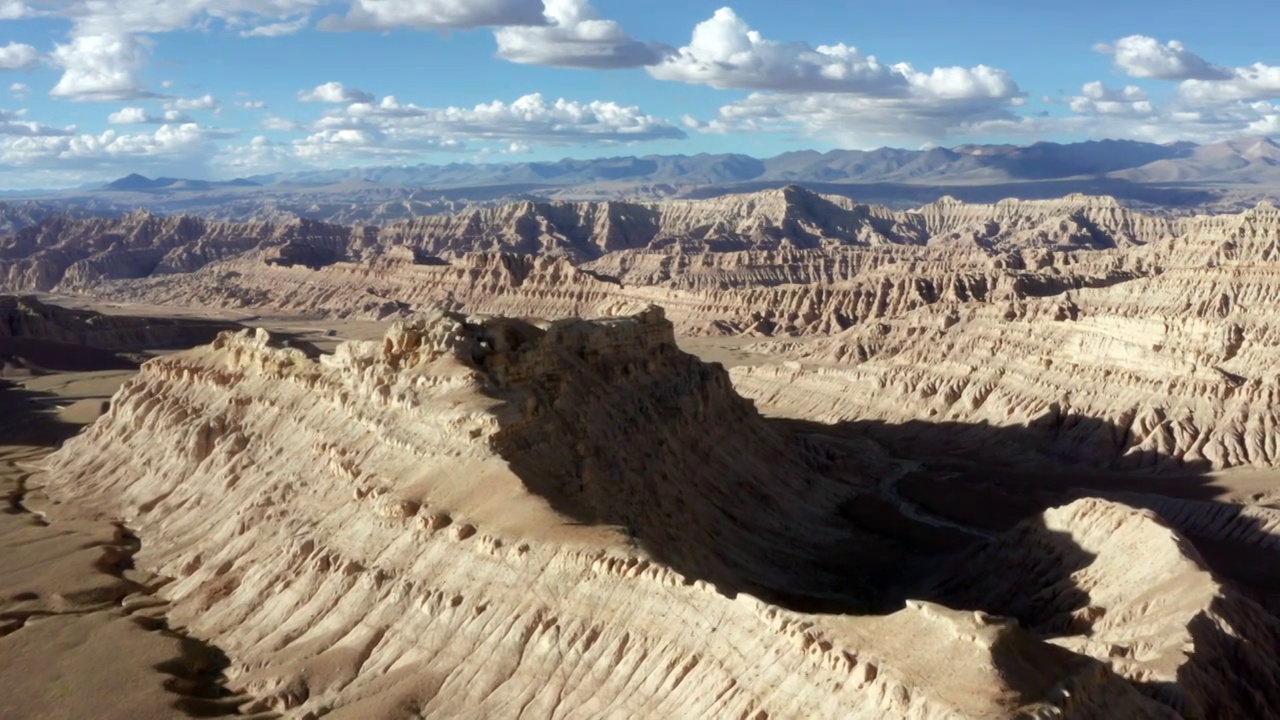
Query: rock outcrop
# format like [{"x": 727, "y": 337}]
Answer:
[
  {"x": 1177, "y": 368},
  {"x": 575, "y": 518},
  {"x": 37, "y": 336}
]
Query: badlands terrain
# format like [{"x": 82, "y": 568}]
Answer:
[{"x": 768, "y": 455}]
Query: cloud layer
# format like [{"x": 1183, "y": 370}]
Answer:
[
  {"x": 575, "y": 36},
  {"x": 436, "y": 14},
  {"x": 832, "y": 93},
  {"x": 389, "y": 127}
]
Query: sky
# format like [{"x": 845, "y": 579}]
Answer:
[{"x": 92, "y": 90}]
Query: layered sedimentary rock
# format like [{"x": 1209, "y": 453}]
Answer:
[
  {"x": 36, "y": 336},
  {"x": 576, "y": 519},
  {"x": 29, "y": 318},
  {"x": 1175, "y": 368},
  {"x": 73, "y": 255},
  {"x": 784, "y": 262}
]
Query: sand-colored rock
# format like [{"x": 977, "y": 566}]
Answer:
[
  {"x": 1177, "y": 368},
  {"x": 576, "y": 519}
]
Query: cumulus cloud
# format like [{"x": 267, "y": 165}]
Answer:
[
  {"x": 100, "y": 67},
  {"x": 277, "y": 29},
  {"x": 575, "y": 36},
  {"x": 334, "y": 92},
  {"x": 107, "y": 46},
  {"x": 852, "y": 120},
  {"x": 12, "y": 124},
  {"x": 251, "y": 104},
  {"x": 17, "y": 56},
  {"x": 282, "y": 125},
  {"x": 1165, "y": 123},
  {"x": 173, "y": 149},
  {"x": 259, "y": 155},
  {"x": 390, "y": 128},
  {"x": 1254, "y": 82},
  {"x": 1098, "y": 99},
  {"x": 328, "y": 146},
  {"x": 436, "y": 14},
  {"x": 726, "y": 53},
  {"x": 1200, "y": 81},
  {"x": 14, "y": 10},
  {"x": 831, "y": 91},
  {"x": 204, "y": 102},
  {"x": 1144, "y": 57},
  {"x": 139, "y": 116},
  {"x": 530, "y": 118},
  {"x": 20, "y": 90}
]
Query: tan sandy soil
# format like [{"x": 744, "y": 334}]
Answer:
[
  {"x": 81, "y": 633},
  {"x": 398, "y": 567}
]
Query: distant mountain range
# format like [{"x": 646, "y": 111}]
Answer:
[
  {"x": 140, "y": 183},
  {"x": 1180, "y": 178},
  {"x": 1244, "y": 161}
]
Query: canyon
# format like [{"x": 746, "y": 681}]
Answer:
[{"x": 776, "y": 454}]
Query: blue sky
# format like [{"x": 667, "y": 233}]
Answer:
[{"x": 94, "y": 89}]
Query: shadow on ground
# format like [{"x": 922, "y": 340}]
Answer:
[{"x": 953, "y": 528}]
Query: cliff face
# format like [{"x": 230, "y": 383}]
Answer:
[
  {"x": 783, "y": 262},
  {"x": 74, "y": 255},
  {"x": 576, "y": 518},
  {"x": 1178, "y": 367},
  {"x": 36, "y": 337}
]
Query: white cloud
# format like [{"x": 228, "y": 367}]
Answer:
[
  {"x": 831, "y": 91},
  {"x": 251, "y": 104},
  {"x": 173, "y": 149},
  {"x": 390, "y": 128},
  {"x": 278, "y": 29},
  {"x": 575, "y": 36},
  {"x": 204, "y": 102},
  {"x": 100, "y": 67},
  {"x": 436, "y": 14},
  {"x": 1098, "y": 99},
  {"x": 726, "y": 53},
  {"x": 1254, "y": 82},
  {"x": 852, "y": 120},
  {"x": 531, "y": 117},
  {"x": 260, "y": 155},
  {"x": 107, "y": 48},
  {"x": 17, "y": 56},
  {"x": 327, "y": 146},
  {"x": 11, "y": 124},
  {"x": 139, "y": 116},
  {"x": 14, "y": 10},
  {"x": 1200, "y": 81},
  {"x": 1165, "y": 123},
  {"x": 1144, "y": 57},
  {"x": 282, "y": 125},
  {"x": 334, "y": 92},
  {"x": 20, "y": 90}
]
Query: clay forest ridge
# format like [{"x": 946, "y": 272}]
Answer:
[{"x": 717, "y": 368}]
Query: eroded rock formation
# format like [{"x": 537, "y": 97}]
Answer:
[{"x": 577, "y": 519}]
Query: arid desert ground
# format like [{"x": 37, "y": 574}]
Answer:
[{"x": 773, "y": 455}]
